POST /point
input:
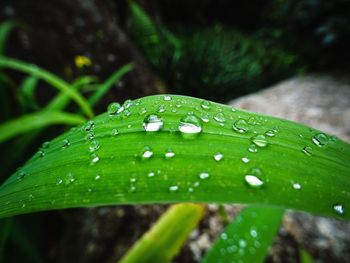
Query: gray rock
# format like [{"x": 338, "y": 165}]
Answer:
[{"x": 322, "y": 102}]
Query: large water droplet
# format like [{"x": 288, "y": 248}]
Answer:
[
  {"x": 146, "y": 152},
  {"x": 320, "y": 139},
  {"x": 259, "y": 140},
  {"x": 253, "y": 181},
  {"x": 190, "y": 124},
  {"x": 152, "y": 123},
  {"x": 113, "y": 108},
  {"x": 204, "y": 175},
  {"x": 240, "y": 126},
  {"x": 218, "y": 156},
  {"x": 339, "y": 209},
  {"x": 205, "y": 104}
]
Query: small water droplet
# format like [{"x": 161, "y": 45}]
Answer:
[
  {"x": 307, "y": 151},
  {"x": 245, "y": 160},
  {"x": 94, "y": 158},
  {"x": 339, "y": 209},
  {"x": 126, "y": 113},
  {"x": 113, "y": 108},
  {"x": 94, "y": 146},
  {"x": 70, "y": 178},
  {"x": 253, "y": 181},
  {"x": 296, "y": 186},
  {"x": 45, "y": 145},
  {"x": 41, "y": 153},
  {"x": 173, "y": 188},
  {"x": 205, "y": 118},
  {"x": 152, "y": 123},
  {"x": 151, "y": 174},
  {"x": 161, "y": 109},
  {"x": 320, "y": 139},
  {"x": 90, "y": 136},
  {"x": 242, "y": 243},
  {"x": 252, "y": 121},
  {"x": 127, "y": 104},
  {"x": 252, "y": 148},
  {"x": 169, "y": 154},
  {"x": 205, "y": 104},
  {"x": 146, "y": 152},
  {"x": 89, "y": 125},
  {"x": 240, "y": 126},
  {"x": 114, "y": 132},
  {"x": 219, "y": 117},
  {"x": 142, "y": 111},
  {"x": 65, "y": 143},
  {"x": 218, "y": 156},
  {"x": 259, "y": 140},
  {"x": 190, "y": 124},
  {"x": 270, "y": 133},
  {"x": 59, "y": 181},
  {"x": 204, "y": 175},
  {"x": 97, "y": 177},
  {"x": 223, "y": 236},
  {"x": 253, "y": 232},
  {"x": 167, "y": 98}
]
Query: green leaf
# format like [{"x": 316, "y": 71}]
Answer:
[
  {"x": 30, "y": 122},
  {"x": 203, "y": 152},
  {"x": 248, "y": 237},
  {"x": 5, "y": 29},
  {"x": 27, "y": 93},
  {"x": 305, "y": 257},
  {"x": 164, "y": 240},
  {"x": 53, "y": 80},
  {"x": 104, "y": 87}
]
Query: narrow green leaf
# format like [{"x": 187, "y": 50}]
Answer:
[
  {"x": 34, "y": 121},
  {"x": 48, "y": 77},
  {"x": 114, "y": 78},
  {"x": 164, "y": 240},
  {"x": 199, "y": 151},
  {"x": 5, "y": 30},
  {"x": 305, "y": 257},
  {"x": 248, "y": 238},
  {"x": 27, "y": 93}
]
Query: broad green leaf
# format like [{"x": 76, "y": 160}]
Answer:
[
  {"x": 164, "y": 240},
  {"x": 164, "y": 149},
  {"x": 34, "y": 121},
  {"x": 53, "y": 80},
  {"x": 248, "y": 237},
  {"x": 104, "y": 87}
]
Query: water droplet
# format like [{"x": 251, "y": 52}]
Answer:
[
  {"x": 169, "y": 154},
  {"x": 204, "y": 175},
  {"x": 339, "y": 209},
  {"x": 296, "y": 186},
  {"x": 190, "y": 124},
  {"x": 94, "y": 146},
  {"x": 45, "y": 145},
  {"x": 151, "y": 174},
  {"x": 173, "y": 188},
  {"x": 69, "y": 178},
  {"x": 94, "y": 158},
  {"x": 252, "y": 148},
  {"x": 259, "y": 140},
  {"x": 41, "y": 153},
  {"x": 223, "y": 236},
  {"x": 113, "y": 108},
  {"x": 240, "y": 126},
  {"x": 114, "y": 132},
  {"x": 59, "y": 181},
  {"x": 90, "y": 136},
  {"x": 320, "y": 139},
  {"x": 142, "y": 111},
  {"x": 270, "y": 133},
  {"x": 252, "y": 121},
  {"x": 218, "y": 156},
  {"x": 146, "y": 152},
  {"x": 219, "y": 117},
  {"x": 97, "y": 177},
  {"x": 253, "y": 181},
  {"x": 65, "y": 143},
  {"x": 307, "y": 151},
  {"x": 127, "y": 104},
  {"x": 167, "y": 98},
  {"x": 89, "y": 125},
  {"x": 205, "y": 118},
  {"x": 126, "y": 113},
  {"x": 253, "y": 232},
  {"x": 205, "y": 104},
  {"x": 245, "y": 160},
  {"x": 152, "y": 123},
  {"x": 161, "y": 109},
  {"x": 242, "y": 243}
]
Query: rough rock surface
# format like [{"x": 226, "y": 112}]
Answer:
[{"x": 322, "y": 102}]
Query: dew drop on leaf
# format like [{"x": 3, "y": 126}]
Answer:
[
  {"x": 152, "y": 123},
  {"x": 240, "y": 126},
  {"x": 113, "y": 108},
  {"x": 190, "y": 124},
  {"x": 97, "y": 177},
  {"x": 70, "y": 178},
  {"x": 307, "y": 150},
  {"x": 114, "y": 132},
  {"x": 150, "y": 174},
  {"x": 204, "y": 175},
  {"x": 173, "y": 188},
  {"x": 45, "y": 145},
  {"x": 205, "y": 104},
  {"x": 94, "y": 158},
  {"x": 253, "y": 181},
  {"x": 270, "y": 133},
  {"x": 320, "y": 139},
  {"x": 127, "y": 104},
  {"x": 245, "y": 160},
  {"x": 253, "y": 148},
  {"x": 259, "y": 140},
  {"x": 169, "y": 154},
  {"x": 167, "y": 98},
  {"x": 218, "y": 156},
  {"x": 296, "y": 186},
  {"x": 339, "y": 209},
  {"x": 146, "y": 152},
  {"x": 94, "y": 146},
  {"x": 59, "y": 181},
  {"x": 219, "y": 117},
  {"x": 65, "y": 143}
]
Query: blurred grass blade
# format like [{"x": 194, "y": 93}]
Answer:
[
  {"x": 48, "y": 77},
  {"x": 5, "y": 30},
  {"x": 248, "y": 238},
  {"x": 34, "y": 121},
  {"x": 27, "y": 93},
  {"x": 199, "y": 151},
  {"x": 305, "y": 257},
  {"x": 164, "y": 240},
  {"x": 113, "y": 79}
]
